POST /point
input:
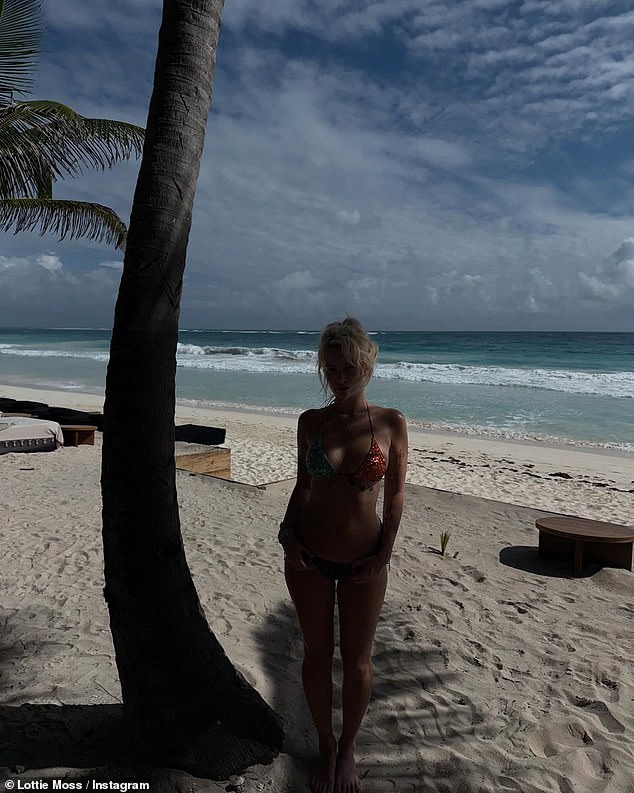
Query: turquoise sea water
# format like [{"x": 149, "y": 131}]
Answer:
[{"x": 576, "y": 387}]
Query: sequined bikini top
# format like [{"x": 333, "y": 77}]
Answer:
[{"x": 372, "y": 469}]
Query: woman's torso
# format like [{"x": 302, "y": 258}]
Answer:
[{"x": 347, "y": 459}]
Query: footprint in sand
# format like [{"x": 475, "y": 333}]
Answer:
[
  {"x": 221, "y": 626},
  {"x": 521, "y": 608},
  {"x": 558, "y": 738},
  {"x": 458, "y": 584},
  {"x": 506, "y": 783},
  {"x": 386, "y": 728},
  {"x": 612, "y": 685},
  {"x": 602, "y": 712},
  {"x": 475, "y": 574}
]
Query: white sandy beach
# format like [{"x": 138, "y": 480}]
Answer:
[{"x": 494, "y": 670}]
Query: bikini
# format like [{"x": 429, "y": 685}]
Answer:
[{"x": 372, "y": 469}]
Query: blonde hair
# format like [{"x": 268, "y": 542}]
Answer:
[{"x": 351, "y": 339}]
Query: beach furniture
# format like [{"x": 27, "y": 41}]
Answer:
[
  {"x": 68, "y": 417},
  {"x": 197, "y": 449},
  {"x": 199, "y": 433},
  {"x": 78, "y": 434},
  {"x": 20, "y": 406},
  {"x": 25, "y": 434},
  {"x": 584, "y": 540},
  {"x": 202, "y": 459}
]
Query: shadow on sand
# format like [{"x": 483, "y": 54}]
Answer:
[
  {"x": 76, "y": 736},
  {"x": 524, "y": 557},
  {"x": 412, "y": 707}
]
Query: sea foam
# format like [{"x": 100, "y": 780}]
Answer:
[{"x": 618, "y": 385}]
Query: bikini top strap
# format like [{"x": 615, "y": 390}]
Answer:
[
  {"x": 322, "y": 422},
  {"x": 367, "y": 407}
]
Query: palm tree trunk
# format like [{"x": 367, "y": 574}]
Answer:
[{"x": 183, "y": 698}]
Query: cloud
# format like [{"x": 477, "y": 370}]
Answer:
[
  {"x": 49, "y": 262},
  {"x": 40, "y": 290},
  {"x": 350, "y": 217},
  {"x": 296, "y": 281},
  {"x": 613, "y": 279},
  {"x": 443, "y": 153},
  {"x": 444, "y": 164},
  {"x": 112, "y": 265}
]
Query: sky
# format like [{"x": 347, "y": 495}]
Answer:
[{"x": 419, "y": 164}]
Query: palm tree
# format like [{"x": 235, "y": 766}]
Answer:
[
  {"x": 44, "y": 141},
  {"x": 187, "y": 705}
]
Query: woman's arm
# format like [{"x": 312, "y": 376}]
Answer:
[
  {"x": 299, "y": 494},
  {"x": 297, "y": 555},
  {"x": 394, "y": 488}
]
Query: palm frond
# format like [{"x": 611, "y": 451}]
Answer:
[
  {"x": 42, "y": 141},
  {"x": 20, "y": 35},
  {"x": 65, "y": 218}
]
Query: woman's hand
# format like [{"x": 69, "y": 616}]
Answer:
[
  {"x": 297, "y": 556},
  {"x": 367, "y": 569}
]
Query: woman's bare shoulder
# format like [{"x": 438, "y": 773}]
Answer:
[
  {"x": 389, "y": 417},
  {"x": 310, "y": 419}
]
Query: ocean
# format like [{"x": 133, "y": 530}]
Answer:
[{"x": 561, "y": 387}]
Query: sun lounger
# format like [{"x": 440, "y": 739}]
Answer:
[{"x": 20, "y": 434}]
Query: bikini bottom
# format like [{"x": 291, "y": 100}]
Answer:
[
  {"x": 333, "y": 571},
  {"x": 336, "y": 571}
]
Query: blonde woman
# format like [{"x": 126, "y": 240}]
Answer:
[{"x": 337, "y": 549}]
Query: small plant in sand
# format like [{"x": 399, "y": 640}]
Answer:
[{"x": 444, "y": 539}]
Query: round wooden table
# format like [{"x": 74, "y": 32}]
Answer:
[{"x": 607, "y": 544}]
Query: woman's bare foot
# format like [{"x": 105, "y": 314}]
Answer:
[
  {"x": 346, "y": 778},
  {"x": 323, "y": 778}
]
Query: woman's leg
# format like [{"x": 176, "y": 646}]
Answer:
[
  {"x": 314, "y": 599},
  {"x": 359, "y": 609}
]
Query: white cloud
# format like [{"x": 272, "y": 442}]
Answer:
[
  {"x": 613, "y": 279},
  {"x": 49, "y": 262},
  {"x": 349, "y": 217},
  {"x": 296, "y": 281},
  {"x": 112, "y": 265}
]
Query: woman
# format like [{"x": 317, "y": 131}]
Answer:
[{"x": 335, "y": 545}]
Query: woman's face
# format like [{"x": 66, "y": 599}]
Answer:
[{"x": 344, "y": 378}]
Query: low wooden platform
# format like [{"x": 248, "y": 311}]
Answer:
[
  {"x": 202, "y": 459},
  {"x": 78, "y": 434},
  {"x": 583, "y": 540}
]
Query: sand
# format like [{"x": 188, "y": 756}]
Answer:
[{"x": 494, "y": 670}]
